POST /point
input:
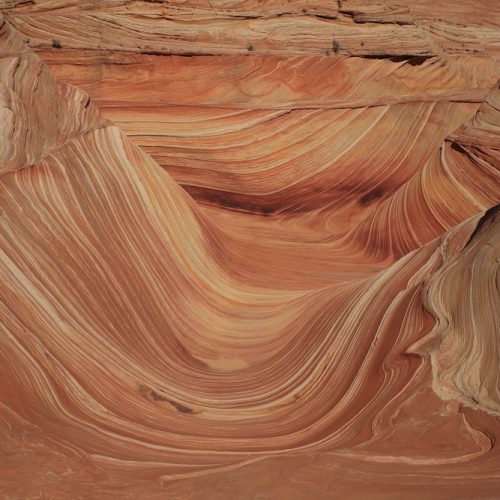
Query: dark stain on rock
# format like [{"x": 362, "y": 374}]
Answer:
[
  {"x": 155, "y": 396},
  {"x": 233, "y": 201},
  {"x": 371, "y": 196},
  {"x": 180, "y": 407}
]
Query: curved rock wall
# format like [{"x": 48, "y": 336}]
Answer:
[{"x": 230, "y": 276}]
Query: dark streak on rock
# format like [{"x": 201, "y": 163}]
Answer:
[
  {"x": 371, "y": 196},
  {"x": 180, "y": 407},
  {"x": 233, "y": 201},
  {"x": 155, "y": 396},
  {"x": 368, "y": 20},
  {"x": 159, "y": 53},
  {"x": 324, "y": 16}
]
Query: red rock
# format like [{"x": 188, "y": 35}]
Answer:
[{"x": 238, "y": 276}]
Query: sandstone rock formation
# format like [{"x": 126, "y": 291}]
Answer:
[{"x": 266, "y": 270}]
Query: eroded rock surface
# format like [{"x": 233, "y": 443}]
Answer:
[{"x": 269, "y": 270}]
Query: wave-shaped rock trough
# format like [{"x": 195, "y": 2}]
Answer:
[{"x": 249, "y": 276}]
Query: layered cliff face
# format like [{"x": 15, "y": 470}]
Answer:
[{"x": 266, "y": 270}]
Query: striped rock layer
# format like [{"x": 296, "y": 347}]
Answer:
[{"x": 248, "y": 250}]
